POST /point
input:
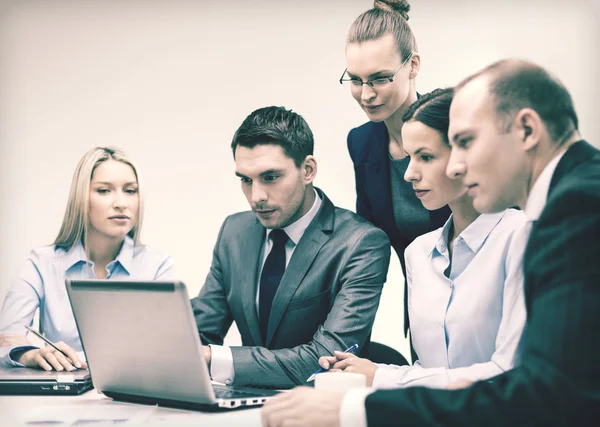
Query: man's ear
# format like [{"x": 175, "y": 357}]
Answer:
[
  {"x": 309, "y": 169},
  {"x": 530, "y": 127}
]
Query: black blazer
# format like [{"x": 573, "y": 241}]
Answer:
[
  {"x": 369, "y": 149},
  {"x": 558, "y": 380}
]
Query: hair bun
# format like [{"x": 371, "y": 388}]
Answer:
[{"x": 399, "y": 6}]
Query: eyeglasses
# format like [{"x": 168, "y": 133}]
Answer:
[{"x": 379, "y": 82}]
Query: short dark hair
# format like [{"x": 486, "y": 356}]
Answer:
[
  {"x": 277, "y": 126},
  {"x": 433, "y": 110},
  {"x": 517, "y": 84}
]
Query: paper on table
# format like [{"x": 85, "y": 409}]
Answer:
[
  {"x": 96, "y": 413},
  {"x": 103, "y": 413},
  {"x": 243, "y": 417}
]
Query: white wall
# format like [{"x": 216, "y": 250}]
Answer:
[{"x": 171, "y": 81}]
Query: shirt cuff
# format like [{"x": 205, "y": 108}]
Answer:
[
  {"x": 221, "y": 364},
  {"x": 9, "y": 357},
  {"x": 384, "y": 376},
  {"x": 353, "y": 412}
]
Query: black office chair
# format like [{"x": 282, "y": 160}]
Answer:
[{"x": 381, "y": 353}]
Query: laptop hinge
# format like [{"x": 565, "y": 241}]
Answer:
[{"x": 65, "y": 378}]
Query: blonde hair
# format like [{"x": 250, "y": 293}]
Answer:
[
  {"x": 76, "y": 225},
  {"x": 386, "y": 16}
]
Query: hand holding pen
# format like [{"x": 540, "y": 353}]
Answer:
[
  {"x": 348, "y": 362},
  {"x": 326, "y": 361},
  {"x": 59, "y": 356}
]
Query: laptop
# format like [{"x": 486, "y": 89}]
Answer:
[
  {"x": 142, "y": 345},
  {"x": 39, "y": 382}
]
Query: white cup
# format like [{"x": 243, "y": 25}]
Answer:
[{"x": 339, "y": 382}]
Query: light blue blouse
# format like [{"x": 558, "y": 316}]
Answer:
[
  {"x": 41, "y": 284},
  {"x": 468, "y": 323}
]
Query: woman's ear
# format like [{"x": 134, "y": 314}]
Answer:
[{"x": 415, "y": 65}]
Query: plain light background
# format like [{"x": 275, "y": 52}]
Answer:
[{"x": 170, "y": 82}]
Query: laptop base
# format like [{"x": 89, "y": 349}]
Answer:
[
  {"x": 41, "y": 389},
  {"x": 222, "y": 405}
]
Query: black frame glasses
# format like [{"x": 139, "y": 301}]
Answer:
[{"x": 374, "y": 83}]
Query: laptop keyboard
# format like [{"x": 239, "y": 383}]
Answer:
[{"x": 224, "y": 392}]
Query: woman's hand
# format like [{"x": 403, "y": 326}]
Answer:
[
  {"x": 48, "y": 358},
  {"x": 348, "y": 362}
]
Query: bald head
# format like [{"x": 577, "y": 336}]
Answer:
[
  {"x": 506, "y": 122},
  {"x": 514, "y": 84}
]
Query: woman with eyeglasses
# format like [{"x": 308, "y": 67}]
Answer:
[
  {"x": 382, "y": 65},
  {"x": 99, "y": 239}
]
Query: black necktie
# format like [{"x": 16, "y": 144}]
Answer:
[{"x": 272, "y": 272}]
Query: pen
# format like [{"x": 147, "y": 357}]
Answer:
[
  {"x": 351, "y": 349},
  {"x": 47, "y": 341}
]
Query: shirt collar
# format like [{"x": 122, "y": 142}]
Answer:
[
  {"x": 125, "y": 257},
  {"x": 474, "y": 235},
  {"x": 296, "y": 230},
  {"x": 478, "y": 231},
  {"x": 77, "y": 254},
  {"x": 442, "y": 237},
  {"x": 539, "y": 192}
]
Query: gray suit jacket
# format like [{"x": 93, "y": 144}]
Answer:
[{"x": 326, "y": 301}]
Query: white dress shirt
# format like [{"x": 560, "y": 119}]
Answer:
[
  {"x": 539, "y": 192},
  {"x": 468, "y": 322},
  {"x": 221, "y": 365},
  {"x": 464, "y": 325}
]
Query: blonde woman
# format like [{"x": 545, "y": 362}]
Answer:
[{"x": 99, "y": 239}]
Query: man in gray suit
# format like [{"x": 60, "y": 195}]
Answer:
[{"x": 299, "y": 276}]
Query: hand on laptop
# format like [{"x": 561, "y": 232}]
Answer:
[{"x": 50, "y": 359}]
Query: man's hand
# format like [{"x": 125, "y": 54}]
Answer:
[
  {"x": 303, "y": 406},
  {"x": 458, "y": 384},
  {"x": 207, "y": 355},
  {"x": 13, "y": 340},
  {"x": 48, "y": 358}
]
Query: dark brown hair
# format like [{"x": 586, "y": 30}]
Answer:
[
  {"x": 277, "y": 126},
  {"x": 433, "y": 110}
]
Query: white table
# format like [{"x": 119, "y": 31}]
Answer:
[{"x": 92, "y": 406}]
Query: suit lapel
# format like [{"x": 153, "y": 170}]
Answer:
[
  {"x": 304, "y": 254},
  {"x": 377, "y": 177},
  {"x": 575, "y": 155},
  {"x": 249, "y": 262}
]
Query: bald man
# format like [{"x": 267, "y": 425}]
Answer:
[{"x": 515, "y": 142}]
